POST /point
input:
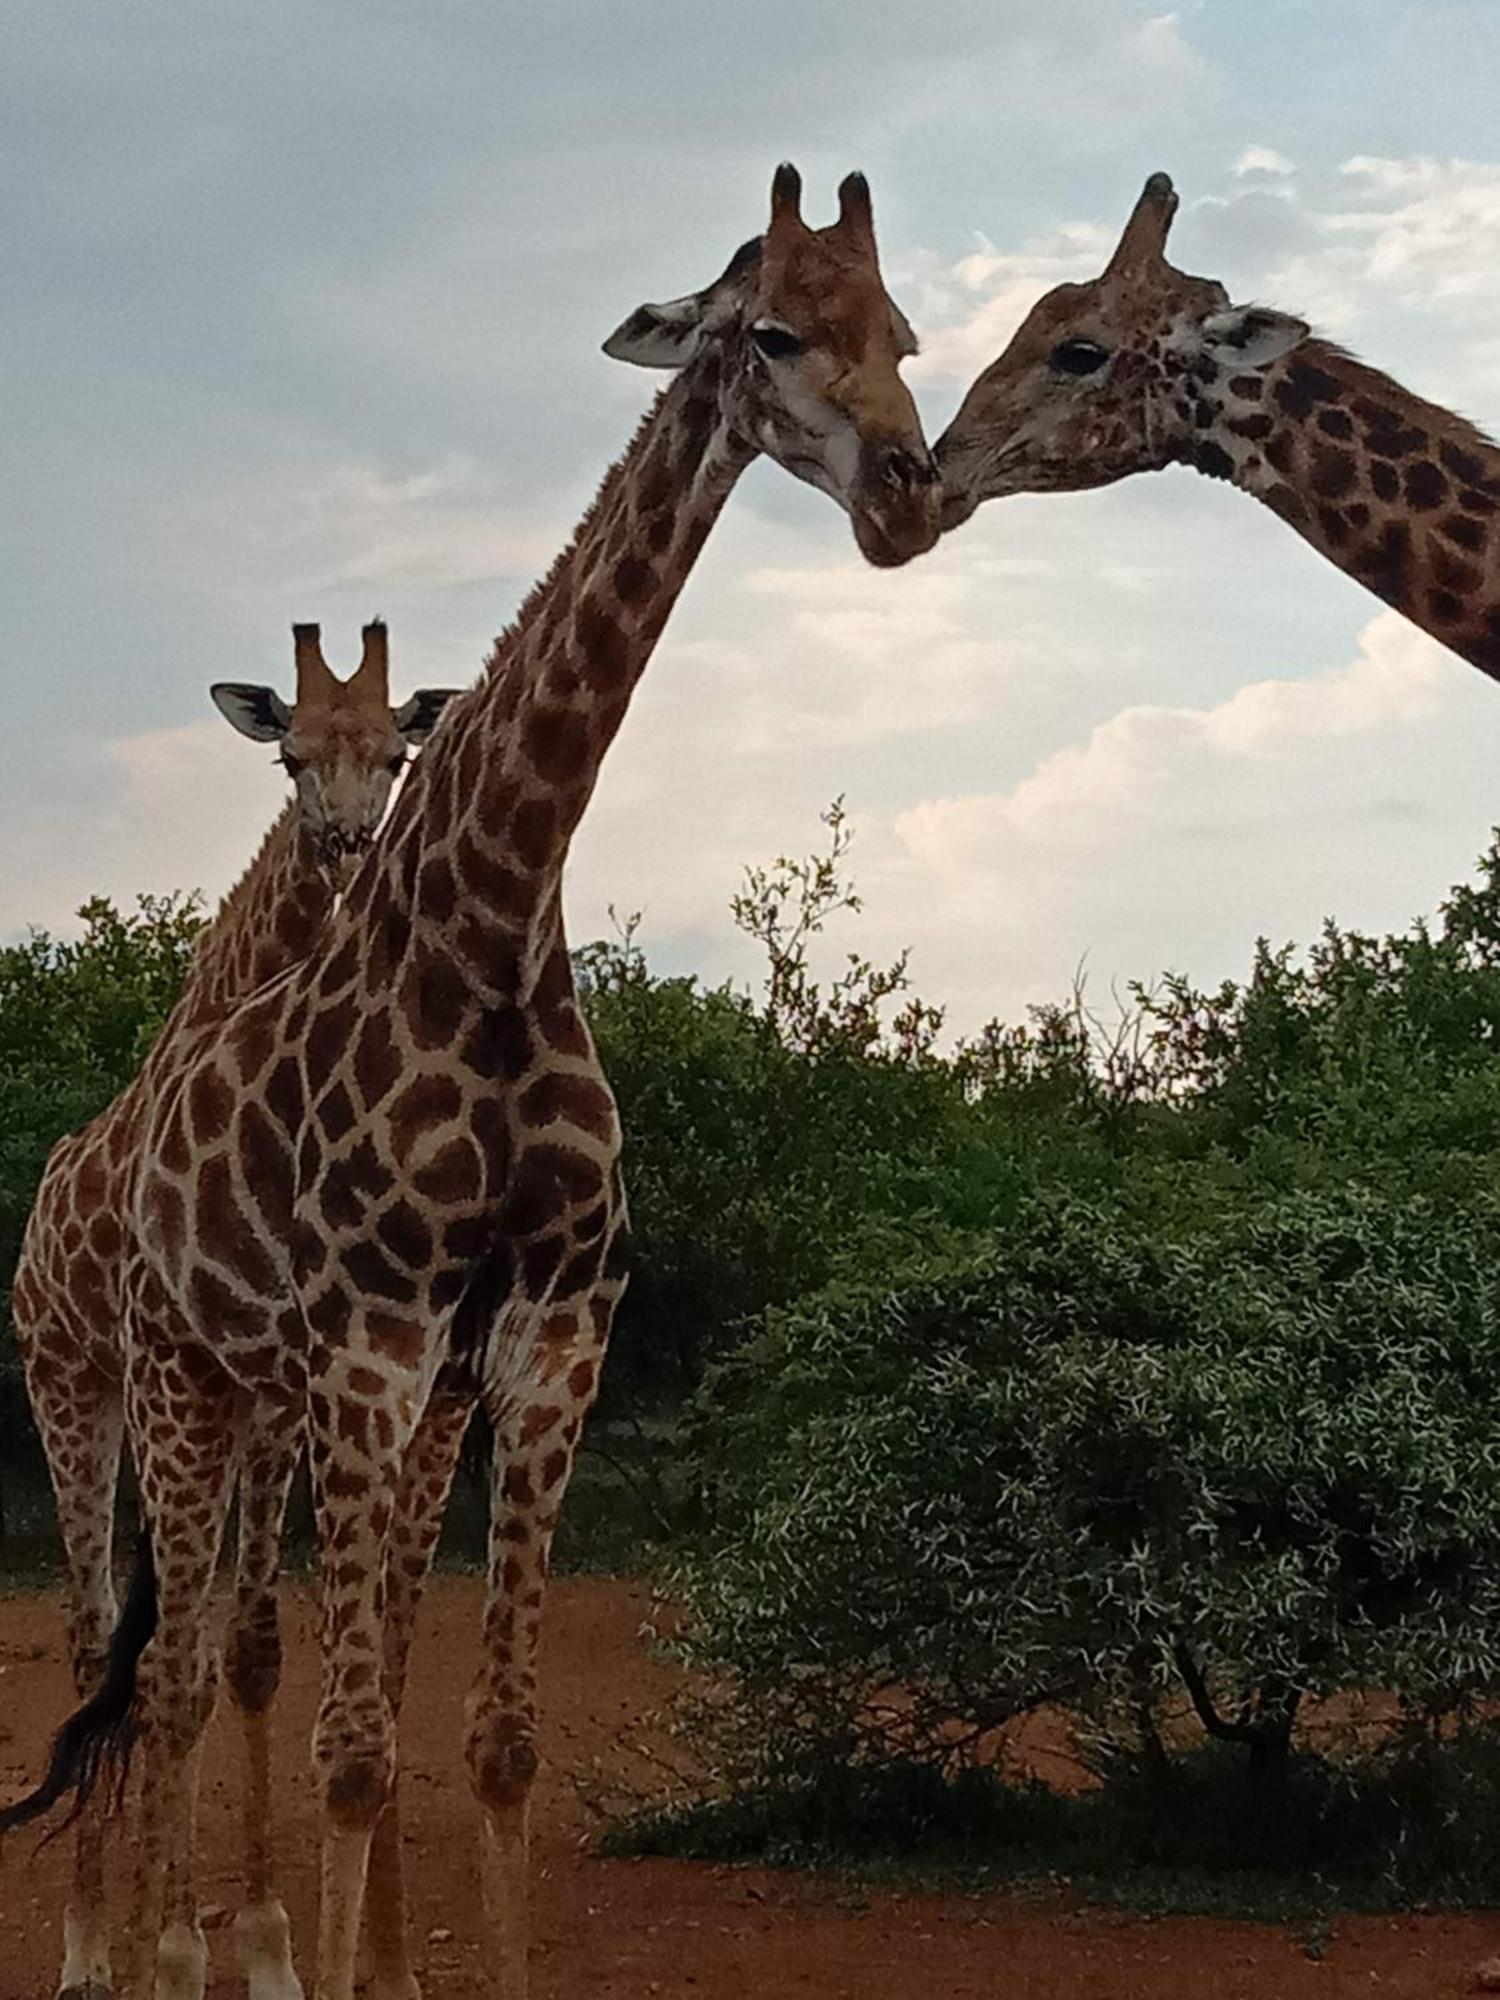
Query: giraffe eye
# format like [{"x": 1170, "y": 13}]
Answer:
[
  {"x": 397, "y": 764},
  {"x": 1078, "y": 357},
  {"x": 776, "y": 343},
  {"x": 293, "y": 766}
]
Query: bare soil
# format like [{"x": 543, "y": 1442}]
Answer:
[{"x": 623, "y": 1930}]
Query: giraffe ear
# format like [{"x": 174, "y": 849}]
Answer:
[
  {"x": 256, "y": 712},
  {"x": 417, "y": 717},
  {"x": 901, "y": 326},
  {"x": 664, "y": 336},
  {"x": 668, "y": 336},
  {"x": 1251, "y": 336}
]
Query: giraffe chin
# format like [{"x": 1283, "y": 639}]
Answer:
[{"x": 888, "y": 544}]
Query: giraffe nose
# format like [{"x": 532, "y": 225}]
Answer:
[{"x": 905, "y": 471}]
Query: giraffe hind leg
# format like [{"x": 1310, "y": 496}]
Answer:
[
  {"x": 253, "y": 1672},
  {"x": 79, "y": 1416}
]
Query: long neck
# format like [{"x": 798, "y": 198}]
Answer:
[
  {"x": 271, "y": 918},
  {"x": 1403, "y": 495},
  {"x": 481, "y": 836}
]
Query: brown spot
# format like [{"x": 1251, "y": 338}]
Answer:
[
  {"x": 1383, "y": 563},
  {"x": 1400, "y": 443},
  {"x": 634, "y": 577},
  {"x": 1357, "y": 514},
  {"x": 376, "y": 1062},
  {"x": 1385, "y": 482},
  {"x": 426, "y": 1102},
  {"x": 581, "y": 1380},
  {"x": 327, "y": 1042},
  {"x": 436, "y": 999},
  {"x": 1255, "y": 428},
  {"x": 1444, "y": 606},
  {"x": 1249, "y": 388},
  {"x": 341, "y": 968},
  {"x": 1425, "y": 486},
  {"x": 1287, "y": 502},
  {"x": 405, "y": 1235},
  {"x": 254, "y": 1043},
  {"x": 1451, "y": 572},
  {"x": 533, "y": 831},
  {"x": 210, "y": 1104},
  {"x": 499, "y": 1044},
  {"x": 373, "y": 1273},
  {"x": 164, "y": 1206},
  {"x": 398, "y": 1339},
  {"x": 1474, "y": 502},
  {"x": 557, "y": 742},
  {"x": 1332, "y": 471},
  {"x": 1281, "y": 452},
  {"x": 1335, "y": 423},
  {"x": 336, "y": 1114},
  {"x": 453, "y": 1174},
  {"x": 437, "y": 893},
  {"x": 578, "y": 1100},
  {"x": 518, "y": 1487},
  {"x": 1335, "y": 527},
  {"x": 1460, "y": 529},
  {"x": 283, "y": 1094},
  {"x": 1464, "y": 465},
  {"x": 605, "y": 655}
]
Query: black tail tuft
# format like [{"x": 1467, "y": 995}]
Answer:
[{"x": 96, "y": 1740}]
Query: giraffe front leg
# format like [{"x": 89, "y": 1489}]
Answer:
[
  {"x": 185, "y": 1469},
  {"x": 426, "y": 1480},
  {"x": 537, "y": 1418},
  {"x": 252, "y": 1660},
  {"x": 363, "y": 1410},
  {"x": 82, "y": 1443}
]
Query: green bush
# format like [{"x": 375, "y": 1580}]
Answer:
[{"x": 1258, "y": 1453}]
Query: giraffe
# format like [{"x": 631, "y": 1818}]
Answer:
[
  {"x": 343, "y": 747},
  {"x": 403, "y": 1152},
  {"x": 1146, "y": 367}
]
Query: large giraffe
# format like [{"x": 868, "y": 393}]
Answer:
[
  {"x": 343, "y": 746},
  {"x": 404, "y": 1152},
  {"x": 1146, "y": 367}
]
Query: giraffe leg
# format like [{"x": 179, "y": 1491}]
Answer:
[
  {"x": 252, "y": 1663},
  {"x": 185, "y": 1468},
  {"x": 79, "y": 1415},
  {"x": 426, "y": 1480},
  {"x": 362, "y": 1413},
  {"x": 536, "y": 1423}
]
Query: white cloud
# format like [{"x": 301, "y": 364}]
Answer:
[{"x": 1262, "y": 160}]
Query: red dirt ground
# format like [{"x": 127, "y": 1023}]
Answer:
[{"x": 623, "y": 1930}]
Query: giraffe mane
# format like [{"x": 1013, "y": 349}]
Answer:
[{"x": 1374, "y": 382}]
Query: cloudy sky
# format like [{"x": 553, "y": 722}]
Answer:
[{"x": 302, "y": 319}]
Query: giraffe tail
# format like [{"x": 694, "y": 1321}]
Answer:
[{"x": 95, "y": 1742}]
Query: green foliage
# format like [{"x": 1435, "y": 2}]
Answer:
[
  {"x": 1416, "y": 1823},
  {"x": 76, "y": 1017}
]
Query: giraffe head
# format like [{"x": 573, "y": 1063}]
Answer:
[
  {"x": 341, "y": 743},
  {"x": 809, "y": 345},
  {"x": 1108, "y": 378}
]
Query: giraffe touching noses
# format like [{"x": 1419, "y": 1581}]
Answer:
[
  {"x": 342, "y": 745},
  {"x": 810, "y": 343},
  {"x": 1146, "y": 367}
]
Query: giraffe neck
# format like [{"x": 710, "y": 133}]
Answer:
[
  {"x": 480, "y": 837},
  {"x": 1401, "y": 494},
  {"x": 271, "y": 918}
]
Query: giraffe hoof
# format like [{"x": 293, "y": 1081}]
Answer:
[{"x": 88, "y": 1989}]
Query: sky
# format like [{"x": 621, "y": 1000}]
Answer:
[{"x": 303, "y": 308}]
